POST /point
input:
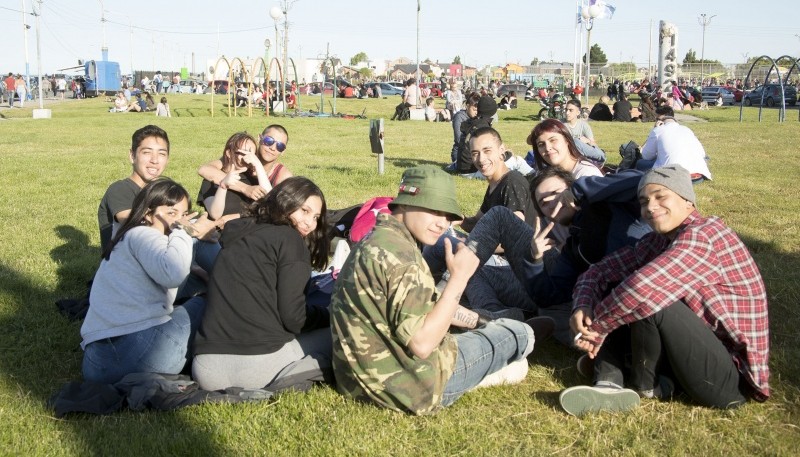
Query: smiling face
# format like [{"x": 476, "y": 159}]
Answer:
[
  {"x": 488, "y": 155},
  {"x": 663, "y": 209},
  {"x": 149, "y": 160},
  {"x": 162, "y": 217},
  {"x": 269, "y": 154},
  {"x": 426, "y": 226},
  {"x": 554, "y": 149},
  {"x": 304, "y": 219},
  {"x": 548, "y": 198}
]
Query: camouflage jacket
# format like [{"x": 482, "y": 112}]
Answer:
[{"x": 382, "y": 295}]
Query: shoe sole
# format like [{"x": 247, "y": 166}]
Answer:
[{"x": 580, "y": 400}]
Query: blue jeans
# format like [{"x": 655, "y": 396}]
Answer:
[
  {"x": 484, "y": 351},
  {"x": 163, "y": 348},
  {"x": 204, "y": 254}
]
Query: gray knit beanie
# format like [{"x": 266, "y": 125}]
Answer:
[{"x": 673, "y": 177}]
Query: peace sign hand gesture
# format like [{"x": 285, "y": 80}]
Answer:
[{"x": 540, "y": 242}]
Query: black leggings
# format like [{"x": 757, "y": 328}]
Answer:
[{"x": 672, "y": 340}]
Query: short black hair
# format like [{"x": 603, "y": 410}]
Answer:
[
  {"x": 665, "y": 110},
  {"x": 146, "y": 132}
]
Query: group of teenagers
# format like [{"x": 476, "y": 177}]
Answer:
[{"x": 430, "y": 304}]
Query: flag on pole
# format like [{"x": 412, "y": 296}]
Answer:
[{"x": 606, "y": 10}]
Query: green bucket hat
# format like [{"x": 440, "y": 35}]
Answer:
[{"x": 430, "y": 188}]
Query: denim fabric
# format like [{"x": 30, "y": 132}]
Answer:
[
  {"x": 204, "y": 254},
  {"x": 484, "y": 351},
  {"x": 160, "y": 349}
]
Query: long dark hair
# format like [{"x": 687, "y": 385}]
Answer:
[
  {"x": 555, "y": 126},
  {"x": 282, "y": 201},
  {"x": 158, "y": 192}
]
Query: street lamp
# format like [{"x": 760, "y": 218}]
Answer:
[
  {"x": 275, "y": 13},
  {"x": 589, "y": 14},
  {"x": 704, "y": 22}
]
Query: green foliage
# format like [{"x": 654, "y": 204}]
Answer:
[
  {"x": 358, "y": 58},
  {"x": 457, "y": 60},
  {"x": 55, "y": 171},
  {"x": 691, "y": 57},
  {"x": 597, "y": 56},
  {"x": 535, "y": 61},
  {"x": 366, "y": 73}
]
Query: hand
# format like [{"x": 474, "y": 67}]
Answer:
[
  {"x": 229, "y": 180},
  {"x": 540, "y": 242},
  {"x": 585, "y": 339},
  {"x": 202, "y": 228},
  {"x": 248, "y": 157},
  {"x": 461, "y": 264},
  {"x": 254, "y": 192}
]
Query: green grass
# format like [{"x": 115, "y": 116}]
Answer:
[{"x": 55, "y": 171}]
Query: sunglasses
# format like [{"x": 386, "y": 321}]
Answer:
[{"x": 268, "y": 141}]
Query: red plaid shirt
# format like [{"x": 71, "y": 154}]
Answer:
[{"x": 706, "y": 266}]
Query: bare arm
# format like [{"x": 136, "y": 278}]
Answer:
[
  {"x": 212, "y": 171},
  {"x": 461, "y": 265}
]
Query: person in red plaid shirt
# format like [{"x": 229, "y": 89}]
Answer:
[{"x": 686, "y": 305}]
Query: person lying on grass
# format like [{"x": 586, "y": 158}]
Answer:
[
  {"x": 391, "y": 340},
  {"x": 132, "y": 325},
  {"x": 272, "y": 142},
  {"x": 687, "y": 303}
]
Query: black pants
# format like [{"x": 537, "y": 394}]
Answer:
[
  {"x": 398, "y": 110},
  {"x": 674, "y": 341}
]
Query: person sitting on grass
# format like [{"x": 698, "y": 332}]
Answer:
[
  {"x": 670, "y": 143},
  {"x": 272, "y": 142},
  {"x": 582, "y": 133},
  {"x": 120, "y": 103},
  {"x": 240, "y": 162},
  {"x": 162, "y": 109},
  {"x": 687, "y": 303},
  {"x": 391, "y": 340},
  {"x": 132, "y": 325},
  {"x": 257, "y": 328},
  {"x": 600, "y": 111}
]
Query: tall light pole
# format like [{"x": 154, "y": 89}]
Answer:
[
  {"x": 417, "y": 73},
  {"x": 589, "y": 14},
  {"x": 25, "y": 28},
  {"x": 275, "y": 13},
  {"x": 704, "y": 21}
]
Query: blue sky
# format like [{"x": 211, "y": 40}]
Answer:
[{"x": 166, "y": 33}]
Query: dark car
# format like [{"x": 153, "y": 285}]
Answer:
[
  {"x": 771, "y": 95},
  {"x": 520, "y": 89}
]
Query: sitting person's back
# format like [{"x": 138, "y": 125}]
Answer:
[
  {"x": 670, "y": 143},
  {"x": 600, "y": 111},
  {"x": 622, "y": 108}
]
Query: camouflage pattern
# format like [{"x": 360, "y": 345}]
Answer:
[{"x": 382, "y": 295}]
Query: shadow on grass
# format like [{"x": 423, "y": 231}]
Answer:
[{"x": 41, "y": 352}]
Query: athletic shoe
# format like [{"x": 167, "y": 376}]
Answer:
[
  {"x": 513, "y": 373},
  {"x": 580, "y": 400},
  {"x": 585, "y": 366},
  {"x": 543, "y": 327}
]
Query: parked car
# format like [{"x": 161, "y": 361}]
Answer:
[
  {"x": 187, "y": 86},
  {"x": 520, "y": 89},
  {"x": 710, "y": 94},
  {"x": 737, "y": 93},
  {"x": 398, "y": 84},
  {"x": 771, "y": 94},
  {"x": 386, "y": 88},
  {"x": 435, "y": 87}
]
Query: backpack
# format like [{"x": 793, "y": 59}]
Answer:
[
  {"x": 630, "y": 153},
  {"x": 367, "y": 216}
]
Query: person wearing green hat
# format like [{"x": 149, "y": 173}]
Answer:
[{"x": 391, "y": 340}]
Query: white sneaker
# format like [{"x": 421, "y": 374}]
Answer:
[
  {"x": 513, "y": 373},
  {"x": 580, "y": 400}
]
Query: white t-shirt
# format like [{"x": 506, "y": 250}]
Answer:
[{"x": 672, "y": 143}]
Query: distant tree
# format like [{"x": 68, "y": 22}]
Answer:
[
  {"x": 691, "y": 57},
  {"x": 535, "y": 61},
  {"x": 360, "y": 57},
  {"x": 366, "y": 72},
  {"x": 457, "y": 60},
  {"x": 597, "y": 55}
]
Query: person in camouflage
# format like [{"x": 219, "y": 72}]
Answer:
[{"x": 391, "y": 344}]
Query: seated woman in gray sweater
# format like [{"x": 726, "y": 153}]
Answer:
[
  {"x": 132, "y": 326},
  {"x": 256, "y": 328}
]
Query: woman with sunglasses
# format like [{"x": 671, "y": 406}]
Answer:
[
  {"x": 256, "y": 327},
  {"x": 240, "y": 162},
  {"x": 132, "y": 325},
  {"x": 271, "y": 146}
]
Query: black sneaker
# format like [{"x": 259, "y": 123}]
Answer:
[{"x": 543, "y": 327}]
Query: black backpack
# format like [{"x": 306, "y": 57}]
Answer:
[{"x": 631, "y": 153}]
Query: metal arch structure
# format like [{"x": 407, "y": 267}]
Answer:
[
  {"x": 213, "y": 89},
  {"x": 795, "y": 65},
  {"x": 782, "y": 111},
  {"x": 330, "y": 60},
  {"x": 231, "y": 84}
]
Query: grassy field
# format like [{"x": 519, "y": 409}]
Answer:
[{"x": 54, "y": 172}]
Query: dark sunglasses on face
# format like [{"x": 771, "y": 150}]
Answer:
[{"x": 268, "y": 141}]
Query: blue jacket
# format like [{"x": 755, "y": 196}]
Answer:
[{"x": 609, "y": 218}]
